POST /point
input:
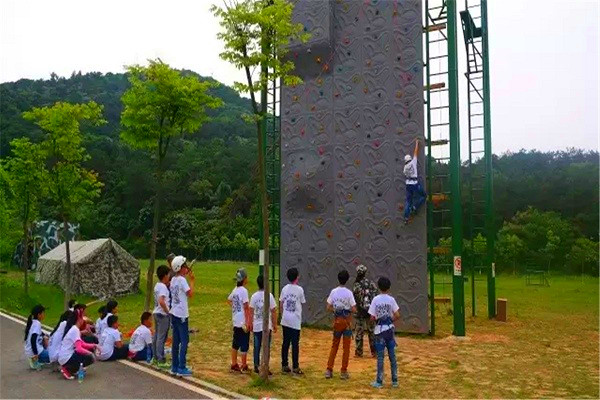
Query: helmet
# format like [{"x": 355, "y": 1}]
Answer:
[
  {"x": 407, "y": 158},
  {"x": 177, "y": 263}
]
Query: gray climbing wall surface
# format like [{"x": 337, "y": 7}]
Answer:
[{"x": 345, "y": 131}]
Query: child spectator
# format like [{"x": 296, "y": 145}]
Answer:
[
  {"x": 140, "y": 345},
  {"x": 110, "y": 309},
  {"x": 71, "y": 305},
  {"x": 74, "y": 351},
  {"x": 180, "y": 289},
  {"x": 256, "y": 309},
  {"x": 111, "y": 346},
  {"x": 56, "y": 336},
  {"x": 35, "y": 341},
  {"x": 162, "y": 320},
  {"x": 364, "y": 291},
  {"x": 291, "y": 300},
  {"x": 87, "y": 332},
  {"x": 341, "y": 303},
  {"x": 384, "y": 310},
  {"x": 240, "y": 316},
  {"x": 98, "y": 324}
]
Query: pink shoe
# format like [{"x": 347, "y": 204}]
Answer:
[{"x": 65, "y": 372}]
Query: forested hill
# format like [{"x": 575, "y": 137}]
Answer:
[{"x": 211, "y": 185}]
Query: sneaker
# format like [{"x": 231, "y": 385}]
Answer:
[
  {"x": 65, "y": 372},
  {"x": 163, "y": 365},
  {"x": 328, "y": 374},
  {"x": 244, "y": 368},
  {"x": 34, "y": 364},
  {"x": 344, "y": 376},
  {"x": 395, "y": 384},
  {"x": 406, "y": 221},
  {"x": 256, "y": 370},
  {"x": 377, "y": 385},
  {"x": 286, "y": 370},
  {"x": 173, "y": 371},
  {"x": 298, "y": 371},
  {"x": 184, "y": 372},
  {"x": 235, "y": 368}
]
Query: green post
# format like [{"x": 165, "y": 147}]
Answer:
[
  {"x": 489, "y": 172},
  {"x": 458, "y": 284},
  {"x": 431, "y": 242}
]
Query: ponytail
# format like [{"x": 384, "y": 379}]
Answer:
[
  {"x": 64, "y": 316},
  {"x": 35, "y": 312},
  {"x": 28, "y": 326},
  {"x": 71, "y": 321}
]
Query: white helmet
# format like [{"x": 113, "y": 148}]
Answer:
[
  {"x": 407, "y": 158},
  {"x": 177, "y": 263}
]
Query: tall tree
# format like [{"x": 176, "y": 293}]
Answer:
[
  {"x": 256, "y": 35},
  {"x": 26, "y": 175},
  {"x": 161, "y": 104},
  {"x": 71, "y": 186}
]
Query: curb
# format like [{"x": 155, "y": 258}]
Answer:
[{"x": 211, "y": 389}]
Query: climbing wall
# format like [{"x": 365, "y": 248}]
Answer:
[{"x": 344, "y": 132}]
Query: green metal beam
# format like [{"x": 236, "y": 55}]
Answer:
[
  {"x": 489, "y": 184},
  {"x": 458, "y": 284}
]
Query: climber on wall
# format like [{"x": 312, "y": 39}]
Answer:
[{"x": 415, "y": 195}]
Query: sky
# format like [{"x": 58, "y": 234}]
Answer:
[{"x": 543, "y": 56}]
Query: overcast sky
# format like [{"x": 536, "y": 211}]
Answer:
[{"x": 544, "y": 55}]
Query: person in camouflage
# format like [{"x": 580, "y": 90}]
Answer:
[{"x": 364, "y": 291}]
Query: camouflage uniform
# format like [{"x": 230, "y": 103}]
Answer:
[{"x": 364, "y": 291}]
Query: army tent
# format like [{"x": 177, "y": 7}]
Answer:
[{"x": 100, "y": 268}]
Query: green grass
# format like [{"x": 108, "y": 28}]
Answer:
[{"x": 548, "y": 347}]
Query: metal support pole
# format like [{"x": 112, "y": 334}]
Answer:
[
  {"x": 489, "y": 184},
  {"x": 458, "y": 284}
]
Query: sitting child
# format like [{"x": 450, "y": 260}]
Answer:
[
  {"x": 35, "y": 341},
  {"x": 111, "y": 346},
  {"x": 56, "y": 336},
  {"x": 140, "y": 345},
  {"x": 74, "y": 352},
  {"x": 109, "y": 309},
  {"x": 384, "y": 310}
]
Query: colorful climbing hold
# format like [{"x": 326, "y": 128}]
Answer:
[
  {"x": 329, "y": 234},
  {"x": 321, "y": 151},
  {"x": 357, "y": 162},
  {"x": 365, "y": 90},
  {"x": 319, "y": 221},
  {"x": 325, "y": 67},
  {"x": 319, "y": 81},
  {"x": 318, "y": 59},
  {"x": 310, "y": 207}
]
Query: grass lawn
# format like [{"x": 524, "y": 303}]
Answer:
[{"x": 548, "y": 347}]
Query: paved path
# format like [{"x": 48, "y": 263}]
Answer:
[{"x": 108, "y": 380}]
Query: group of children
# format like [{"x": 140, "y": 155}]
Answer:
[{"x": 76, "y": 342}]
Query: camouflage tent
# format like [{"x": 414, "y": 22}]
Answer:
[{"x": 101, "y": 268}]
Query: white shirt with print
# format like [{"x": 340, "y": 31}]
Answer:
[
  {"x": 410, "y": 172},
  {"x": 161, "y": 290},
  {"x": 256, "y": 303},
  {"x": 341, "y": 299},
  {"x": 103, "y": 325},
  {"x": 141, "y": 338},
  {"x": 238, "y": 297},
  {"x": 383, "y": 306},
  {"x": 67, "y": 346},
  {"x": 107, "y": 342},
  {"x": 55, "y": 340},
  {"x": 36, "y": 327},
  {"x": 292, "y": 298},
  {"x": 179, "y": 299}
]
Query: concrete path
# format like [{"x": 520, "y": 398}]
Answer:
[{"x": 104, "y": 380}]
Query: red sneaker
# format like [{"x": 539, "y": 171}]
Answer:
[
  {"x": 65, "y": 372},
  {"x": 235, "y": 368}
]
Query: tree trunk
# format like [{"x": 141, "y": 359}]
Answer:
[
  {"x": 25, "y": 258},
  {"x": 155, "y": 225},
  {"x": 69, "y": 271}
]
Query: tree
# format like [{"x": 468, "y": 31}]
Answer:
[
  {"x": 584, "y": 256},
  {"x": 26, "y": 176},
  {"x": 256, "y": 36},
  {"x": 70, "y": 185},
  {"x": 510, "y": 248},
  {"x": 162, "y": 104}
]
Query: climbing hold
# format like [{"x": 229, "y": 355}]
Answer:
[
  {"x": 355, "y": 187},
  {"x": 318, "y": 59},
  {"x": 319, "y": 221},
  {"x": 297, "y": 175},
  {"x": 365, "y": 90},
  {"x": 301, "y": 226},
  {"x": 302, "y": 132},
  {"x": 346, "y": 41},
  {"x": 321, "y": 128},
  {"x": 386, "y": 223},
  {"x": 357, "y": 234},
  {"x": 310, "y": 207},
  {"x": 357, "y": 162},
  {"x": 358, "y": 124},
  {"x": 398, "y": 94},
  {"x": 321, "y": 151},
  {"x": 336, "y": 94},
  {"x": 295, "y": 98},
  {"x": 319, "y": 81},
  {"x": 320, "y": 93},
  {"x": 313, "y": 108},
  {"x": 370, "y": 209},
  {"x": 387, "y": 121},
  {"x": 340, "y": 211},
  {"x": 377, "y": 143},
  {"x": 329, "y": 234},
  {"x": 349, "y": 196},
  {"x": 356, "y": 79},
  {"x": 368, "y": 136},
  {"x": 320, "y": 184},
  {"x": 340, "y": 175},
  {"x": 368, "y": 63},
  {"x": 395, "y": 13},
  {"x": 325, "y": 67},
  {"x": 399, "y": 131},
  {"x": 293, "y": 119},
  {"x": 378, "y": 194}
]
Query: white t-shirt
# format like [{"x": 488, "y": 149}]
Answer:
[
  {"x": 256, "y": 303},
  {"x": 67, "y": 346},
  {"x": 410, "y": 172},
  {"x": 36, "y": 327},
  {"x": 383, "y": 306},
  {"x": 292, "y": 298},
  {"x": 102, "y": 325},
  {"x": 238, "y": 297},
  {"x": 140, "y": 338},
  {"x": 98, "y": 326},
  {"x": 160, "y": 290},
  {"x": 179, "y": 300},
  {"x": 341, "y": 298},
  {"x": 55, "y": 341},
  {"x": 107, "y": 342}
]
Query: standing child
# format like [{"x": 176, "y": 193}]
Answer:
[
  {"x": 35, "y": 341},
  {"x": 56, "y": 336},
  {"x": 341, "y": 302},
  {"x": 111, "y": 346},
  {"x": 181, "y": 290},
  {"x": 256, "y": 308},
  {"x": 291, "y": 299},
  {"x": 384, "y": 311},
  {"x": 74, "y": 351},
  {"x": 162, "y": 320},
  {"x": 140, "y": 345},
  {"x": 240, "y": 316}
]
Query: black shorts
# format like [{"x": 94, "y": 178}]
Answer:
[{"x": 241, "y": 340}]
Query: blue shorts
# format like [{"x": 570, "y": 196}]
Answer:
[{"x": 241, "y": 340}]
